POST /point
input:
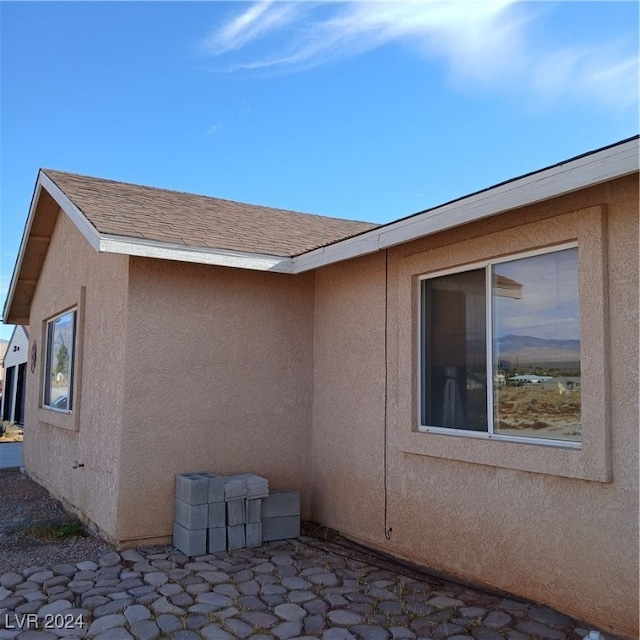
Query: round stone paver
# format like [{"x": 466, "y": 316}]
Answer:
[
  {"x": 337, "y": 633},
  {"x": 344, "y": 617},
  {"x": 290, "y": 590},
  {"x": 290, "y": 611}
]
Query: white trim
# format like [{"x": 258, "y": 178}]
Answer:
[
  {"x": 490, "y": 434},
  {"x": 489, "y": 333},
  {"x": 168, "y": 251},
  {"x": 588, "y": 170},
  {"x": 585, "y": 171},
  {"x": 23, "y": 247},
  {"x": 501, "y": 437},
  {"x": 48, "y": 362},
  {"x": 77, "y": 217}
]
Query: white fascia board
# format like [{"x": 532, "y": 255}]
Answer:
[
  {"x": 583, "y": 172},
  {"x": 23, "y": 248},
  {"x": 78, "y": 218},
  {"x": 108, "y": 243},
  {"x": 41, "y": 182},
  {"x": 361, "y": 245},
  {"x": 168, "y": 251}
]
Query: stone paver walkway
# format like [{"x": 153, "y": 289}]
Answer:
[{"x": 297, "y": 589}]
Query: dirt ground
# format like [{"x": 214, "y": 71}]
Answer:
[
  {"x": 34, "y": 528},
  {"x": 11, "y": 432}
]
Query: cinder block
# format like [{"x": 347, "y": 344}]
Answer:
[
  {"x": 216, "y": 488},
  {"x": 281, "y": 503},
  {"x": 282, "y": 528},
  {"x": 192, "y": 488},
  {"x": 235, "y": 512},
  {"x": 191, "y": 516},
  {"x": 253, "y": 534},
  {"x": 235, "y": 537},
  {"x": 234, "y": 488},
  {"x": 253, "y": 511},
  {"x": 191, "y": 543},
  {"x": 217, "y": 515},
  {"x": 217, "y": 539},
  {"x": 257, "y": 486}
]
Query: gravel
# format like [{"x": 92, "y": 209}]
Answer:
[{"x": 25, "y": 505}]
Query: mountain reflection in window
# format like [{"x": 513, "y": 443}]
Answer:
[
  {"x": 536, "y": 346},
  {"x": 526, "y": 380}
]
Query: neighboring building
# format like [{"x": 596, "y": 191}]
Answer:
[
  {"x": 367, "y": 367},
  {"x": 3, "y": 348},
  {"x": 14, "y": 367}
]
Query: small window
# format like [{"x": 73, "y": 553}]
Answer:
[
  {"x": 500, "y": 349},
  {"x": 59, "y": 362}
]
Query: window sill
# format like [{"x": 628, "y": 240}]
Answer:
[
  {"x": 566, "y": 459},
  {"x": 58, "y": 418},
  {"x": 483, "y": 435},
  {"x": 590, "y": 461}
]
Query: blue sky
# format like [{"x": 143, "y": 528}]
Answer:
[{"x": 364, "y": 110}]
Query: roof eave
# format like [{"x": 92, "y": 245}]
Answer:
[
  {"x": 585, "y": 171},
  {"x": 582, "y": 172},
  {"x": 16, "y": 306},
  {"x": 200, "y": 255}
]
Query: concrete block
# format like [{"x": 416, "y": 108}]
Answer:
[
  {"x": 235, "y": 537},
  {"x": 191, "y": 543},
  {"x": 191, "y": 516},
  {"x": 217, "y": 515},
  {"x": 217, "y": 539},
  {"x": 192, "y": 488},
  {"x": 281, "y": 503},
  {"x": 282, "y": 528},
  {"x": 216, "y": 488},
  {"x": 253, "y": 511},
  {"x": 257, "y": 486},
  {"x": 253, "y": 535},
  {"x": 235, "y": 512},
  {"x": 234, "y": 488}
]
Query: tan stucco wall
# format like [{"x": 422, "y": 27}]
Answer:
[
  {"x": 218, "y": 378},
  {"x": 553, "y": 525},
  {"x": 348, "y": 397},
  {"x": 74, "y": 275}
]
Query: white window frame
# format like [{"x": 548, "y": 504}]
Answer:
[
  {"x": 490, "y": 434},
  {"x": 48, "y": 361}
]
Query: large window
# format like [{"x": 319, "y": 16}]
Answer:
[
  {"x": 59, "y": 362},
  {"x": 500, "y": 349}
]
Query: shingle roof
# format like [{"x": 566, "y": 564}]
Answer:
[{"x": 129, "y": 210}]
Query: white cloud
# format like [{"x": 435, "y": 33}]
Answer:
[
  {"x": 213, "y": 129},
  {"x": 257, "y": 21},
  {"x": 486, "y": 43}
]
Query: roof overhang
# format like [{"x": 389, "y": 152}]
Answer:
[
  {"x": 588, "y": 170},
  {"x": 48, "y": 200},
  {"x": 573, "y": 175}
]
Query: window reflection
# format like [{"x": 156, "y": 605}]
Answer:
[{"x": 536, "y": 346}]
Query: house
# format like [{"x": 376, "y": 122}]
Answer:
[
  {"x": 357, "y": 364},
  {"x": 14, "y": 365}
]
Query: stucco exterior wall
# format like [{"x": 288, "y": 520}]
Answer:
[
  {"x": 349, "y": 397},
  {"x": 554, "y": 525},
  {"x": 74, "y": 275},
  {"x": 218, "y": 378}
]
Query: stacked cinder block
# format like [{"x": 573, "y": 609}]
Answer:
[
  {"x": 217, "y": 514},
  {"x": 191, "y": 513},
  {"x": 257, "y": 491},
  {"x": 214, "y": 513},
  {"x": 235, "y": 491},
  {"x": 281, "y": 516}
]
